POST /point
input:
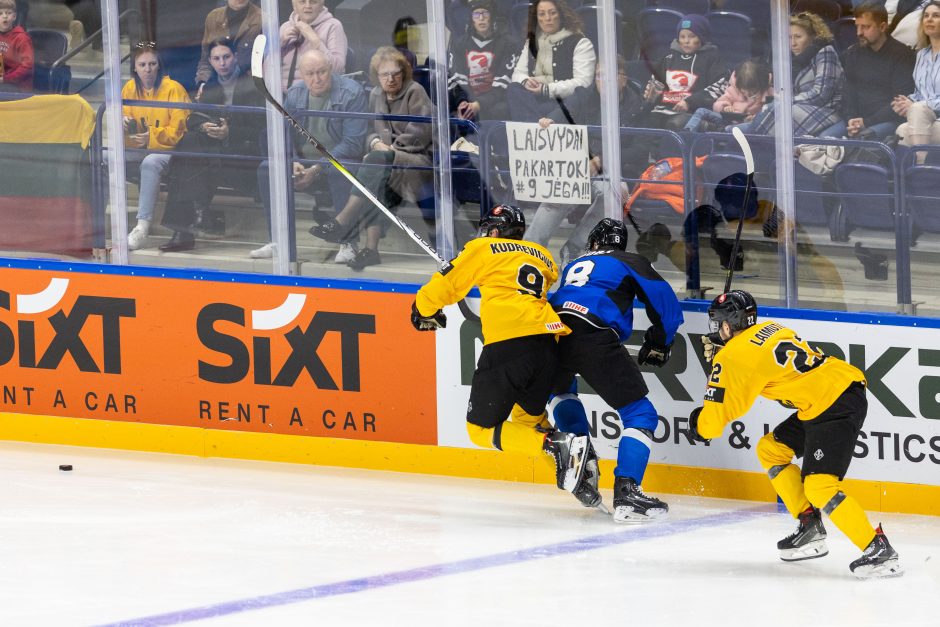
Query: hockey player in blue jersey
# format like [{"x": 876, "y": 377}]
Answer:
[{"x": 596, "y": 303}]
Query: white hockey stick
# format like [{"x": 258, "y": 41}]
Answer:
[{"x": 748, "y": 184}]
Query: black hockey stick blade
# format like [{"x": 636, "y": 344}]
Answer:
[{"x": 748, "y": 184}]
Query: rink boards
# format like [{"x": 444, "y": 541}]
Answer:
[{"x": 330, "y": 372}]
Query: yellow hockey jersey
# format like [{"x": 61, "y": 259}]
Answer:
[
  {"x": 513, "y": 277},
  {"x": 770, "y": 360}
]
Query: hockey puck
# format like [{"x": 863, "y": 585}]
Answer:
[{"x": 65, "y": 466}]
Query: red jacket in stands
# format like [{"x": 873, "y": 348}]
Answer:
[{"x": 17, "y": 50}]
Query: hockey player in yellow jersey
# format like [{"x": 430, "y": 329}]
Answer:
[
  {"x": 515, "y": 371},
  {"x": 828, "y": 396}
]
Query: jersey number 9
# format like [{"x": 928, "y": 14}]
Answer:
[{"x": 530, "y": 280}]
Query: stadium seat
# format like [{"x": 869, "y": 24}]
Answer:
[
  {"x": 588, "y": 15},
  {"x": 810, "y": 205},
  {"x": 733, "y": 32},
  {"x": 759, "y": 12},
  {"x": 922, "y": 195},
  {"x": 519, "y": 20},
  {"x": 866, "y": 199},
  {"x": 717, "y": 167},
  {"x": 844, "y": 32},
  {"x": 48, "y": 47},
  {"x": 685, "y": 6},
  {"x": 828, "y": 10},
  {"x": 657, "y": 28}
]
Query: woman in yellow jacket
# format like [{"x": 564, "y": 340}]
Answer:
[{"x": 151, "y": 128}]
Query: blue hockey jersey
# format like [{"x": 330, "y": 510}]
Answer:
[{"x": 600, "y": 286}]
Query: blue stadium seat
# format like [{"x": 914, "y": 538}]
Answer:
[
  {"x": 48, "y": 46},
  {"x": 759, "y": 12},
  {"x": 657, "y": 28},
  {"x": 828, "y": 10},
  {"x": 588, "y": 15},
  {"x": 685, "y": 6},
  {"x": 519, "y": 21},
  {"x": 844, "y": 32},
  {"x": 865, "y": 199},
  {"x": 732, "y": 31},
  {"x": 922, "y": 194}
]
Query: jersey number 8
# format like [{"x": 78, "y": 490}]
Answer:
[{"x": 579, "y": 273}]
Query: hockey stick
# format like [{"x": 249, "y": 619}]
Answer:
[
  {"x": 257, "y": 72},
  {"x": 748, "y": 184}
]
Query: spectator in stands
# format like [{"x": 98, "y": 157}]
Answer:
[
  {"x": 742, "y": 100},
  {"x": 321, "y": 90},
  {"x": 480, "y": 65},
  {"x": 392, "y": 143},
  {"x": 238, "y": 20},
  {"x": 692, "y": 75},
  {"x": 16, "y": 50},
  {"x": 877, "y": 69},
  {"x": 921, "y": 107},
  {"x": 818, "y": 79},
  {"x": 192, "y": 181},
  {"x": 584, "y": 107},
  {"x": 556, "y": 59},
  {"x": 311, "y": 27},
  {"x": 156, "y": 129}
]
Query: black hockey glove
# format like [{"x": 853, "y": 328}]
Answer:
[
  {"x": 435, "y": 321},
  {"x": 693, "y": 426},
  {"x": 652, "y": 353},
  {"x": 711, "y": 344}
]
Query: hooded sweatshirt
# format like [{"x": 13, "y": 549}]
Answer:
[
  {"x": 17, "y": 50},
  {"x": 698, "y": 78},
  {"x": 333, "y": 44}
]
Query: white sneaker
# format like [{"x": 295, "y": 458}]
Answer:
[
  {"x": 347, "y": 252},
  {"x": 265, "y": 252},
  {"x": 137, "y": 238}
]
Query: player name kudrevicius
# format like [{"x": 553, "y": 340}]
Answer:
[{"x": 510, "y": 247}]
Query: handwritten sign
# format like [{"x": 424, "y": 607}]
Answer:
[{"x": 549, "y": 164}]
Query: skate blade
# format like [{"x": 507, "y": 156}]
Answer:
[
  {"x": 604, "y": 509},
  {"x": 889, "y": 569},
  {"x": 810, "y": 551},
  {"x": 626, "y": 515},
  {"x": 576, "y": 457}
]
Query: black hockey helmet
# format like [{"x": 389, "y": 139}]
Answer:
[
  {"x": 737, "y": 307},
  {"x": 508, "y": 220},
  {"x": 608, "y": 233}
]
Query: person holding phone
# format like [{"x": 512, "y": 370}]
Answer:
[
  {"x": 192, "y": 181},
  {"x": 154, "y": 129}
]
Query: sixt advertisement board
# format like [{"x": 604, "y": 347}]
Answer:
[
  {"x": 196, "y": 353},
  {"x": 899, "y": 442}
]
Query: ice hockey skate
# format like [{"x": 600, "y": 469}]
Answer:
[
  {"x": 632, "y": 506},
  {"x": 808, "y": 541},
  {"x": 570, "y": 453},
  {"x": 586, "y": 490},
  {"x": 878, "y": 560}
]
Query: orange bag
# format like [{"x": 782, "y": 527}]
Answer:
[{"x": 663, "y": 170}]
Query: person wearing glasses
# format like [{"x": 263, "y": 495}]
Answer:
[
  {"x": 154, "y": 129},
  {"x": 238, "y": 20},
  {"x": 818, "y": 79},
  {"x": 396, "y": 148},
  {"x": 311, "y": 27},
  {"x": 556, "y": 59},
  {"x": 479, "y": 66}
]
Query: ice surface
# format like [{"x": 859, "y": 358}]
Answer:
[{"x": 141, "y": 538}]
